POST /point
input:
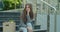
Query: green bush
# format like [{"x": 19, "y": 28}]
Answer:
[{"x": 11, "y": 4}]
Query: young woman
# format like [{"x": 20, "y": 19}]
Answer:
[{"x": 27, "y": 18}]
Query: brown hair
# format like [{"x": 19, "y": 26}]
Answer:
[{"x": 25, "y": 13}]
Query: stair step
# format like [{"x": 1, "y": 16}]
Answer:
[
  {"x": 37, "y": 26},
  {"x": 5, "y": 16},
  {"x": 39, "y": 30}
]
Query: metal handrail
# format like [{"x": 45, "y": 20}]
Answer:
[{"x": 49, "y": 16}]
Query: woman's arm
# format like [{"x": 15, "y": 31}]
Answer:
[
  {"x": 29, "y": 25},
  {"x": 28, "y": 18},
  {"x": 21, "y": 21}
]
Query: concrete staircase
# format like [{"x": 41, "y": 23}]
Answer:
[
  {"x": 6, "y": 16},
  {"x": 37, "y": 28}
]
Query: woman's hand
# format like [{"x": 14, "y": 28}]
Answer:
[{"x": 28, "y": 12}]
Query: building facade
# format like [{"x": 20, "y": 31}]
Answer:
[{"x": 44, "y": 15}]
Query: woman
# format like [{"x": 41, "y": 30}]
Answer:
[{"x": 27, "y": 18}]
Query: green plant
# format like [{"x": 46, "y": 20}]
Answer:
[{"x": 11, "y": 4}]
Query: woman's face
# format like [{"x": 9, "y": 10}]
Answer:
[{"x": 27, "y": 8}]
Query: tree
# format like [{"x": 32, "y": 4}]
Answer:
[{"x": 11, "y": 4}]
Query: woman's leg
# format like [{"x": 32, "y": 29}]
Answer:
[
  {"x": 29, "y": 27},
  {"x": 23, "y": 29}
]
